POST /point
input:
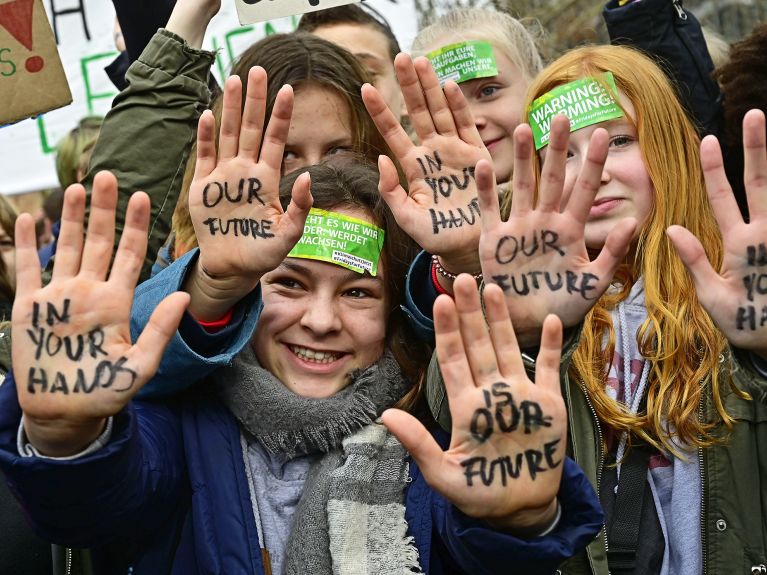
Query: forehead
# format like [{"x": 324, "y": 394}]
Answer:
[
  {"x": 362, "y": 40},
  {"x": 319, "y": 110}
]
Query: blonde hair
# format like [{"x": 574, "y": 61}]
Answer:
[
  {"x": 678, "y": 337},
  {"x": 515, "y": 39}
]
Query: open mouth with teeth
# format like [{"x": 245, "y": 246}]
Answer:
[{"x": 314, "y": 356}]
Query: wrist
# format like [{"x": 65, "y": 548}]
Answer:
[
  {"x": 212, "y": 297},
  {"x": 57, "y": 438},
  {"x": 190, "y": 23},
  {"x": 529, "y": 523},
  {"x": 443, "y": 277}
]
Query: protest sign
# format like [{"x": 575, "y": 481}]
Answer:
[
  {"x": 32, "y": 78},
  {"x": 83, "y": 32},
  {"x": 251, "y": 11}
]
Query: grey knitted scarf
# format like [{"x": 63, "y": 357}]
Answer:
[{"x": 351, "y": 516}]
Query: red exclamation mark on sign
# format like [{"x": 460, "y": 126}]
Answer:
[{"x": 16, "y": 18}]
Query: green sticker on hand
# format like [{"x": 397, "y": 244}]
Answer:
[
  {"x": 585, "y": 102},
  {"x": 463, "y": 61},
  {"x": 342, "y": 240}
]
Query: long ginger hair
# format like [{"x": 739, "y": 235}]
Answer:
[{"x": 678, "y": 337}]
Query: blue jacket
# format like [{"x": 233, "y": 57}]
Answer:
[{"x": 173, "y": 477}]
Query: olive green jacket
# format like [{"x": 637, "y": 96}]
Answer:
[{"x": 733, "y": 473}]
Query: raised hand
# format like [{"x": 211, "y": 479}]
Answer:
[
  {"x": 73, "y": 360},
  {"x": 538, "y": 256},
  {"x": 234, "y": 203},
  {"x": 736, "y": 296},
  {"x": 504, "y": 463},
  {"x": 439, "y": 210}
]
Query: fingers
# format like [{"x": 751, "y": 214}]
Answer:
[
  {"x": 390, "y": 189},
  {"x": 487, "y": 195},
  {"x": 132, "y": 249},
  {"x": 69, "y": 246},
  {"x": 206, "y": 146},
  {"x": 464, "y": 119},
  {"x": 417, "y": 441},
  {"x": 388, "y": 125},
  {"x": 476, "y": 339},
  {"x": 549, "y": 356},
  {"x": 590, "y": 177},
  {"x": 553, "y": 172},
  {"x": 523, "y": 176},
  {"x": 99, "y": 242},
  {"x": 451, "y": 354},
  {"x": 253, "y": 114},
  {"x": 27, "y": 260},
  {"x": 440, "y": 113},
  {"x": 300, "y": 204},
  {"x": 273, "y": 147},
  {"x": 231, "y": 112},
  {"x": 694, "y": 257},
  {"x": 502, "y": 332},
  {"x": 415, "y": 101},
  {"x": 616, "y": 247},
  {"x": 161, "y": 328},
  {"x": 718, "y": 188},
  {"x": 755, "y": 163}
]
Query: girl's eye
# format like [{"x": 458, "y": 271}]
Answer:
[
  {"x": 287, "y": 156},
  {"x": 287, "y": 283},
  {"x": 337, "y": 150},
  {"x": 357, "y": 293},
  {"x": 488, "y": 91},
  {"x": 621, "y": 141}
]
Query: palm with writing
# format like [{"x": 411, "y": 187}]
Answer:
[
  {"x": 538, "y": 256},
  {"x": 736, "y": 296},
  {"x": 505, "y": 459},
  {"x": 234, "y": 203},
  {"x": 439, "y": 210},
  {"x": 73, "y": 359}
]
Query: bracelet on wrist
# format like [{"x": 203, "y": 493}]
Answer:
[{"x": 448, "y": 274}]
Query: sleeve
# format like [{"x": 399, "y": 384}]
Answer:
[
  {"x": 673, "y": 37},
  {"x": 420, "y": 295},
  {"x": 480, "y": 550},
  {"x": 136, "y": 480},
  {"x": 147, "y": 135},
  {"x": 193, "y": 353}
]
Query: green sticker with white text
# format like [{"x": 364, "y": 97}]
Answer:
[
  {"x": 342, "y": 240},
  {"x": 463, "y": 61},
  {"x": 585, "y": 102}
]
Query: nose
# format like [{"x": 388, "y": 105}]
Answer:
[{"x": 321, "y": 317}]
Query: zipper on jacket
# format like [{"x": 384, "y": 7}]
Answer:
[
  {"x": 679, "y": 10},
  {"x": 68, "y": 560},
  {"x": 702, "y": 493},
  {"x": 601, "y": 458}
]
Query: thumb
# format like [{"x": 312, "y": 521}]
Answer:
[
  {"x": 418, "y": 442},
  {"x": 162, "y": 326},
  {"x": 694, "y": 257}
]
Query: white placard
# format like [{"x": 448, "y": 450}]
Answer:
[
  {"x": 251, "y": 11},
  {"x": 27, "y": 149}
]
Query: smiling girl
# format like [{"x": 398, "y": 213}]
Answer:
[{"x": 277, "y": 461}]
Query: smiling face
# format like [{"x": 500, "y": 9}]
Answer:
[
  {"x": 319, "y": 127},
  {"x": 320, "y": 322},
  {"x": 626, "y": 189}
]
